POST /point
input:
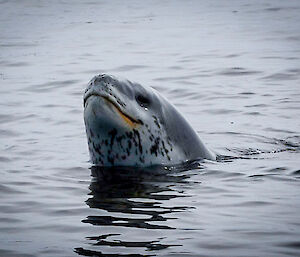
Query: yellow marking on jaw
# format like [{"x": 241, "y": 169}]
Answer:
[
  {"x": 131, "y": 123},
  {"x": 128, "y": 120}
]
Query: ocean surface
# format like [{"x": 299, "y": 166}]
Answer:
[{"x": 231, "y": 67}]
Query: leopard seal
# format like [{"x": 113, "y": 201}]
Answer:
[{"x": 128, "y": 124}]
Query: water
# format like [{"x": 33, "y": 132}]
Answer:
[{"x": 232, "y": 69}]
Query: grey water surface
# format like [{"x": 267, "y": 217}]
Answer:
[{"x": 231, "y": 67}]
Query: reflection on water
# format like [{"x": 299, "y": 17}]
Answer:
[{"x": 134, "y": 198}]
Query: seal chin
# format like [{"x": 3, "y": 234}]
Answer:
[{"x": 113, "y": 105}]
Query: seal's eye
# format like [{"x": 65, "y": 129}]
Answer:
[{"x": 142, "y": 100}]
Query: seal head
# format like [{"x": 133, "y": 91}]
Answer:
[{"x": 128, "y": 124}]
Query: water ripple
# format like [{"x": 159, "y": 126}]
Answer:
[{"x": 237, "y": 71}]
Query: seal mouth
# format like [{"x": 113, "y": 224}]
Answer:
[{"x": 132, "y": 122}]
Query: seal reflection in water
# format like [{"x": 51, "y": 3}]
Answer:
[
  {"x": 128, "y": 124},
  {"x": 139, "y": 198}
]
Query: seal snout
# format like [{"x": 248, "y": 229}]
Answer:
[
  {"x": 109, "y": 90},
  {"x": 100, "y": 85},
  {"x": 103, "y": 80}
]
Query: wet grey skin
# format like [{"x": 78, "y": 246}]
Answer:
[{"x": 128, "y": 124}]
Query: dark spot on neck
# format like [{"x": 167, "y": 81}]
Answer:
[
  {"x": 137, "y": 134},
  {"x": 154, "y": 148},
  {"x": 112, "y": 134}
]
